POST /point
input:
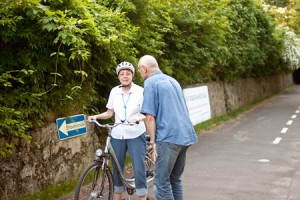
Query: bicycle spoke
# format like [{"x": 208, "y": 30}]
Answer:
[{"x": 95, "y": 184}]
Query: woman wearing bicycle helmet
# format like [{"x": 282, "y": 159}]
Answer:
[{"x": 124, "y": 103}]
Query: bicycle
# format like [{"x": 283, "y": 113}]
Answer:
[{"x": 96, "y": 181}]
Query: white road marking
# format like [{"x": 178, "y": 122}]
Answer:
[
  {"x": 289, "y": 122},
  {"x": 263, "y": 160},
  {"x": 284, "y": 130},
  {"x": 277, "y": 140},
  {"x": 294, "y": 116},
  {"x": 297, "y": 111}
]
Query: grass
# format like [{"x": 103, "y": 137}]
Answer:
[{"x": 54, "y": 191}]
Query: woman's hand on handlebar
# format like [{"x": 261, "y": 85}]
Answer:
[
  {"x": 137, "y": 120},
  {"x": 92, "y": 117},
  {"x": 133, "y": 121}
]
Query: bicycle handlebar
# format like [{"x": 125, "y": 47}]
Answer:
[{"x": 111, "y": 125}]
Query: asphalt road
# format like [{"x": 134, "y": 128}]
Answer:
[{"x": 253, "y": 157}]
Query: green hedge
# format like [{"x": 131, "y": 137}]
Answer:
[{"x": 58, "y": 57}]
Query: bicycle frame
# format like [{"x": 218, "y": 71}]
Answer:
[
  {"x": 109, "y": 154},
  {"x": 101, "y": 185}
]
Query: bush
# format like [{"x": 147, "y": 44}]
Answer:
[{"x": 58, "y": 58}]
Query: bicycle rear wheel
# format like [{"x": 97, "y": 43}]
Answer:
[
  {"x": 149, "y": 164},
  {"x": 95, "y": 183}
]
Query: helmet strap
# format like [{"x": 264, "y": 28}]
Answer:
[{"x": 125, "y": 85}]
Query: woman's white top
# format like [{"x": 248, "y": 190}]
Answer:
[{"x": 125, "y": 107}]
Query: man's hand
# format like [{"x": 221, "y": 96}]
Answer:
[{"x": 154, "y": 153}]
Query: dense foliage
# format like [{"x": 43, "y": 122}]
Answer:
[
  {"x": 58, "y": 57},
  {"x": 287, "y": 16},
  {"x": 286, "y": 12}
]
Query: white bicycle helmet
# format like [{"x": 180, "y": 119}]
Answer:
[{"x": 125, "y": 65}]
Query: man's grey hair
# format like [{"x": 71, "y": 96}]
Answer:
[{"x": 148, "y": 61}]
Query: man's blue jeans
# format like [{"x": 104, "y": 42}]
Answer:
[{"x": 169, "y": 167}]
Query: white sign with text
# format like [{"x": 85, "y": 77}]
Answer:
[{"x": 197, "y": 101}]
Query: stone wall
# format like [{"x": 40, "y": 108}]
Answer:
[
  {"x": 247, "y": 90},
  {"x": 47, "y": 160},
  {"x": 225, "y": 97}
]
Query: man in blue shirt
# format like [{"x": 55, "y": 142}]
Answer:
[{"x": 169, "y": 126}]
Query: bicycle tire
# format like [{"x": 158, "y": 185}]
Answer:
[{"x": 95, "y": 183}]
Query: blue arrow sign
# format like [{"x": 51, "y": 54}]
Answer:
[{"x": 71, "y": 126}]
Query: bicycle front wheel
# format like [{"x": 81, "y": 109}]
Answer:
[{"x": 95, "y": 183}]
